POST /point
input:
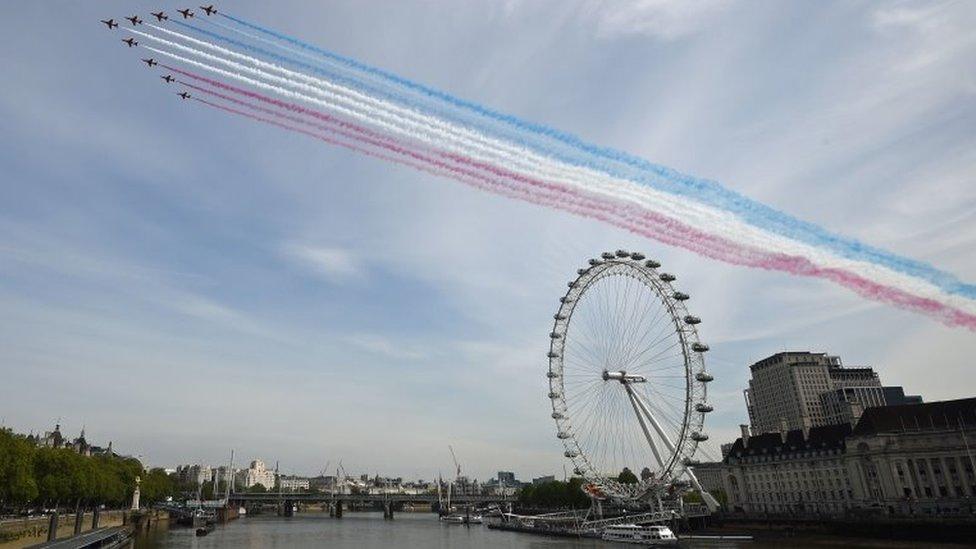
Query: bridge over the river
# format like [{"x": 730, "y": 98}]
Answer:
[{"x": 338, "y": 501}]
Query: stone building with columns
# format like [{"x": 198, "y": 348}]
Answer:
[
  {"x": 916, "y": 459},
  {"x": 910, "y": 459}
]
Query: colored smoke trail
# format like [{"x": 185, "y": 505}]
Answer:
[
  {"x": 708, "y": 192},
  {"x": 658, "y": 228},
  {"x": 663, "y": 203},
  {"x": 430, "y": 136}
]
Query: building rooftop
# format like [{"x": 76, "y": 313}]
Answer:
[
  {"x": 930, "y": 416},
  {"x": 819, "y": 438}
]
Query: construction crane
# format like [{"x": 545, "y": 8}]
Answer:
[{"x": 457, "y": 465}]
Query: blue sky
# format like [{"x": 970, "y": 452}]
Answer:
[{"x": 184, "y": 283}]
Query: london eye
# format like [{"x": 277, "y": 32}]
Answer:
[{"x": 627, "y": 379}]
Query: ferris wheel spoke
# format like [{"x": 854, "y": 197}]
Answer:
[
  {"x": 634, "y": 320},
  {"x": 646, "y": 359},
  {"x": 671, "y": 363},
  {"x": 675, "y": 412},
  {"x": 640, "y": 347},
  {"x": 657, "y": 344}
]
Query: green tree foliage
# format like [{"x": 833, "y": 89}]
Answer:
[
  {"x": 555, "y": 495},
  {"x": 61, "y": 477},
  {"x": 17, "y": 484},
  {"x": 627, "y": 477},
  {"x": 156, "y": 486},
  {"x": 257, "y": 489}
]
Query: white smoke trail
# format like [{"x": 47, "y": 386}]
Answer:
[{"x": 532, "y": 165}]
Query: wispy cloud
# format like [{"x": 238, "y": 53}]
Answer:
[
  {"x": 661, "y": 19},
  {"x": 386, "y": 347},
  {"x": 333, "y": 264}
]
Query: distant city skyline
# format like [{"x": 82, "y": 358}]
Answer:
[{"x": 302, "y": 304}]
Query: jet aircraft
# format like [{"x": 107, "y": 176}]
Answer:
[
  {"x": 110, "y": 23},
  {"x": 131, "y": 42},
  {"x": 134, "y": 20},
  {"x": 186, "y": 13},
  {"x": 151, "y": 62},
  {"x": 184, "y": 95},
  {"x": 168, "y": 78},
  {"x": 210, "y": 10},
  {"x": 160, "y": 16}
]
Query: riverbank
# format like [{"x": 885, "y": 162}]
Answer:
[
  {"x": 918, "y": 530},
  {"x": 18, "y": 533}
]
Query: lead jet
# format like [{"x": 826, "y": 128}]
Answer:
[
  {"x": 134, "y": 20},
  {"x": 151, "y": 62},
  {"x": 110, "y": 22},
  {"x": 159, "y": 15},
  {"x": 210, "y": 10},
  {"x": 184, "y": 95},
  {"x": 131, "y": 42},
  {"x": 168, "y": 78},
  {"x": 186, "y": 13}
]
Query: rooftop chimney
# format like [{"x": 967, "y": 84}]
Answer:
[
  {"x": 745, "y": 435},
  {"x": 783, "y": 429}
]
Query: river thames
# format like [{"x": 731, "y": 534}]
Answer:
[{"x": 370, "y": 531}]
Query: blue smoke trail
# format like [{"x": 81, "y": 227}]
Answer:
[{"x": 661, "y": 177}]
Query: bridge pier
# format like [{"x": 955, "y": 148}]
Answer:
[
  {"x": 289, "y": 510},
  {"x": 338, "y": 509},
  {"x": 388, "y": 510},
  {"x": 52, "y": 527}
]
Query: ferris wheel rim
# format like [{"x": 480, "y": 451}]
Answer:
[{"x": 696, "y": 378}]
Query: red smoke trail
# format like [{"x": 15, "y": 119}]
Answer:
[{"x": 627, "y": 216}]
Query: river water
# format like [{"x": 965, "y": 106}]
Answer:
[{"x": 418, "y": 530}]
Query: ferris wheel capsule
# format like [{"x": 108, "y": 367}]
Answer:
[
  {"x": 652, "y": 264},
  {"x": 667, "y": 277},
  {"x": 608, "y": 255},
  {"x": 703, "y": 408},
  {"x": 699, "y": 347},
  {"x": 637, "y": 256},
  {"x": 595, "y": 262},
  {"x": 622, "y": 253},
  {"x": 553, "y": 354},
  {"x": 704, "y": 377},
  {"x": 692, "y": 320},
  {"x": 700, "y": 437},
  {"x": 681, "y": 296}
]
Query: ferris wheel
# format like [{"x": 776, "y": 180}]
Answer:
[{"x": 627, "y": 379}]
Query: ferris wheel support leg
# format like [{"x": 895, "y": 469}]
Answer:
[
  {"x": 650, "y": 416},
  {"x": 709, "y": 499},
  {"x": 640, "y": 418}
]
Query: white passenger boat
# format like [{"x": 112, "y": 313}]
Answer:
[
  {"x": 453, "y": 519},
  {"x": 653, "y": 535},
  {"x": 457, "y": 518}
]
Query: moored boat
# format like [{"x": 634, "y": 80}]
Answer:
[{"x": 649, "y": 535}]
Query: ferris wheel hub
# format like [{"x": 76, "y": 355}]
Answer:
[{"x": 623, "y": 377}]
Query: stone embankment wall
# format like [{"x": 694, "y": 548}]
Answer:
[{"x": 16, "y": 533}]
